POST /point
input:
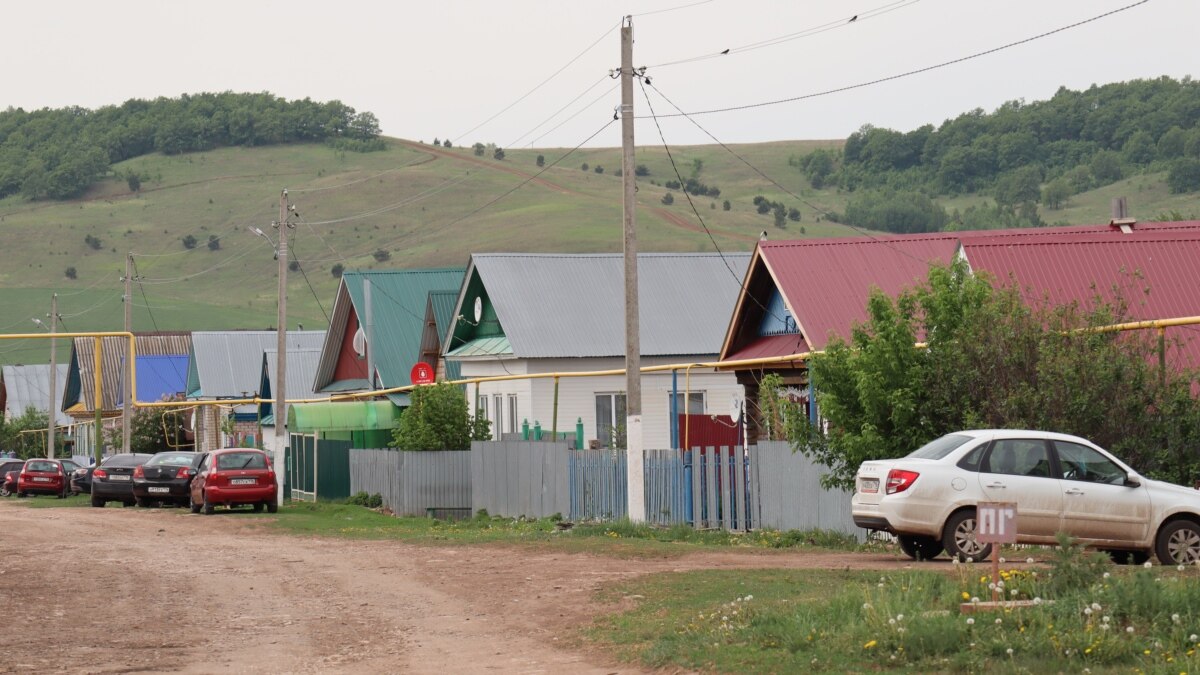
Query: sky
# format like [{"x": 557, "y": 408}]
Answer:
[{"x": 535, "y": 73}]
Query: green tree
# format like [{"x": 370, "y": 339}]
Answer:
[
  {"x": 1140, "y": 148},
  {"x": 584, "y": 166},
  {"x": 1106, "y": 167},
  {"x": 134, "y": 182},
  {"x": 1056, "y": 193},
  {"x": 1019, "y": 186},
  {"x": 668, "y": 199},
  {"x": 1172, "y": 143},
  {"x": 25, "y": 445},
  {"x": 446, "y": 143},
  {"x": 478, "y": 149},
  {"x": 541, "y": 160},
  {"x": 498, "y": 154},
  {"x": 337, "y": 270},
  {"x": 214, "y": 242},
  {"x": 598, "y": 169},
  {"x": 152, "y": 430},
  {"x": 641, "y": 170},
  {"x": 93, "y": 242},
  {"x": 436, "y": 419},
  {"x": 70, "y": 273},
  {"x": 780, "y": 216},
  {"x": 382, "y": 255},
  {"x": 726, "y": 205},
  {"x": 189, "y": 241},
  {"x": 1184, "y": 175}
]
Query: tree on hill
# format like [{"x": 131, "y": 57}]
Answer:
[
  {"x": 498, "y": 154},
  {"x": 478, "y": 149},
  {"x": 214, "y": 242},
  {"x": 1184, "y": 175},
  {"x": 541, "y": 160},
  {"x": 189, "y": 241},
  {"x": 337, "y": 270}
]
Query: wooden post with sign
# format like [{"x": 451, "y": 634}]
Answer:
[{"x": 996, "y": 524}]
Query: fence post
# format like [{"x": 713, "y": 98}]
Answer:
[{"x": 739, "y": 488}]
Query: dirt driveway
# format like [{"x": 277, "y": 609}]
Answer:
[{"x": 125, "y": 590}]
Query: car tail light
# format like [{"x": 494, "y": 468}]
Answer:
[
  {"x": 181, "y": 473},
  {"x": 100, "y": 473},
  {"x": 899, "y": 480},
  {"x": 138, "y": 472},
  {"x": 213, "y": 477}
]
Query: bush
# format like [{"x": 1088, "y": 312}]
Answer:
[
  {"x": 437, "y": 419},
  {"x": 381, "y": 255},
  {"x": 337, "y": 270},
  {"x": 93, "y": 242},
  {"x": 541, "y": 160},
  {"x": 361, "y": 498},
  {"x": 668, "y": 199},
  {"x": 214, "y": 242},
  {"x": 598, "y": 169},
  {"x": 189, "y": 242},
  {"x": 584, "y": 166}
]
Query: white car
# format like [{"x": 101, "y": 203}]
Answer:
[{"x": 1060, "y": 483}]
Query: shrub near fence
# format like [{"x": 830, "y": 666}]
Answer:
[{"x": 415, "y": 483}]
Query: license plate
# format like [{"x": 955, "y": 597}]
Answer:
[
  {"x": 158, "y": 489},
  {"x": 869, "y": 485},
  {"x": 118, "y": 477},
  {"x": 41, "y": 479},
  {"x": 243, "y": 481}
]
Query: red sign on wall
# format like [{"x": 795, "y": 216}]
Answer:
[{"x": 422, "y": 373}]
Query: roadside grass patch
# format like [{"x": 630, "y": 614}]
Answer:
[
  {"x": 52, "y": 502},
  {"x": 1144, "y": 619},
  {"x": 614, "y": 538}
]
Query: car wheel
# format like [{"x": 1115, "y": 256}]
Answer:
[
  {"x": 141, "y": 503},
  {"x": 208, "y": 508},
  {"x": 920, "y": 548},
  {"x": 959, "y": 538},
  {"x": 4, "y": 492},
  {"x": 272, "y": 507},
  {"x": 20, "y": 495},
  {"x": 1128, "y": 557},
  {"x": 1178, "y": 543},
  {"x": 192, "y": 505},
  {"x": 98, "y": 502}
]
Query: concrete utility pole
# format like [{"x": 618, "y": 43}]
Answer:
[
  {"x": 280, "y": 460},
  {"x": 126, "y": 409},
  {"x": 53, "y": 418},
  {"x": 635, "y": 470}
]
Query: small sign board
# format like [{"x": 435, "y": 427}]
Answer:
[
  {"x": 422, "y": 373},
  {"x": 996, "y": 522}
]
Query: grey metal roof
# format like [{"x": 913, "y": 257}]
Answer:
[
  {"x": 301, "y": 371},
  {"x": 229, "y": 363},
  {"x": 29, "y": 386},
  {"x": 574, "y": 305}
]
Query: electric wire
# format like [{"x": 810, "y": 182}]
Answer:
[
  {"x": 674, "y": 9},
  {"x": 540, "y": 85},
  {"x": 353, "y": 182},
  {"x": 310, "y": 286},
  {"x": 577, "y": 112},
  {"x": 429, "y": 192},
  {"x": 153, "y": 321},
  {"x": 556, "y": 113},
  {"x": 917, "y": 71}
]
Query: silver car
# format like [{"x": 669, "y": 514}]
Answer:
[{"x": 1060, "y": 483}]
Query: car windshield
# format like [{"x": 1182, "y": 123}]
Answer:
[
  {"x": 172, "y": 459},
  {"x": 124, "y": 460},
  {"x": 41, "y": 466},
  {"x": 241, "y": 460},
  {"x": 940, "y": 447}
]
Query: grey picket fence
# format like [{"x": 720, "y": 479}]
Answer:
[{"x": 434, "y": 483}]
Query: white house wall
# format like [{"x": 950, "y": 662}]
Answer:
[{"x": 577, "y": 395}]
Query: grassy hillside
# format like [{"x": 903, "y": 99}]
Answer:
[{"x": 419, "y": 202}]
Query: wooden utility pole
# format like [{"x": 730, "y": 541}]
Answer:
[
  {"x": 635, "y": 469},
  {"x": 280, "y": 461},
  {"x": 127, "y": 372},
  {"x": 52, "y": 418}
]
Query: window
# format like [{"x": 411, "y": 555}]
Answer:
[
  {"x": 610, "y": 419},
  {"x": 1082, "y": 463},
  {"x": 498, "y": 416},
  {"x": 241, "y": 460},
  {"x": 970, "y": 461},
  {"x": 939, "y": 447},
  {"x": 1018, "y": 457},
  {"x": 481, "y": 407},
  {"x": 512, "y": 413},
  {"x": 695, "y": 403}
]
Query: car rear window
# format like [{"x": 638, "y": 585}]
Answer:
[
  {"x": 241, "y": 460},
  {"x": 124, "y": 460},
  {"x": 41, "y": 466},
  {"x": 939, "y": 447},
  {"x": 172, "y": 459}
]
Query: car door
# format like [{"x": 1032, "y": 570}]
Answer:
[
  {"x": 1097, "y": 504},
  {"x": 197, "y": 486},
  {"x": 1021, "y": 470}
]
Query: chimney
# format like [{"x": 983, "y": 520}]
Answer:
[{"x": 1120, "y": 215}]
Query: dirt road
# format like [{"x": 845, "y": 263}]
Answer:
[{"x": 133, "y": 590}]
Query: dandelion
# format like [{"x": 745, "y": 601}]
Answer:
[
  {"x": 869, "y": 645},
  {"x": 1180, "y": 568},
  {"x": 1174, "y": 618},
  {"x": 1106, "y": 619},
  {"x": 970, "y": 621},
  {"x": 1029, "y": 561},
  {"x": 891, "y": 622},
  {"x": 899, "y": 617},
  {"x": 1147, "y": 564},
  {"x": 880, "y": 584},
  {"x": 999, "y": 621},
  {"x": 1107, "y": 575},
  {"x": 1087, "y": 611},
  {"x": 749, "y": 598},
  {"x": 966, "y": 595},
  {"x": 1008, "y": 651},
  {"x": 1193, "y": 637},
  {"x": 1002, "y": 561},
  {"x": 1012, "y": 592},
  {"x": 974, "y": 599},
  {"x": 866, "y": 605},
  {"x": 1037, "y": 600},
  {"x": 1129, "y": 629},
  {"x": 1096, "y": 606}
]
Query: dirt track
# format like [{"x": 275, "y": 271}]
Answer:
[{"x": 163, "y": 590}]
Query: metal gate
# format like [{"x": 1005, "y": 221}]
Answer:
[{"x": 318, "y": 468}]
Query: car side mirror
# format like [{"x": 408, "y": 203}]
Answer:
[
  {"x": 191, "y": 472},
  {"x": 1132, "y": 482}
]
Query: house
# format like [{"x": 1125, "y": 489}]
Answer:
[
  {"x": 228, "y": 365},
  {"x": 25, "y": 387},
  {"x": 301, "y": 372},
  {"x": 156, "y": 377},
  {"x": 519, "y": 314},
  {"x": 799, "y": 294}
]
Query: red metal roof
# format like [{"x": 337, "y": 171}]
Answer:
[
  {"x": 771, "y": 345},
  {"x": 1156, "y": 272},
  {"x": 826, "y": 282}
]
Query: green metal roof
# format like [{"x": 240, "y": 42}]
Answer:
[
  {"x": 342, "y": 416},
  {"x": 492, "y": 346},
  {"x": 399, "y": 299}
]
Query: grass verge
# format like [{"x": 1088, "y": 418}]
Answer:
[{"x": 1089, "y": 616}]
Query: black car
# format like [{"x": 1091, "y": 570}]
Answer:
[
  {"x": 81, "y": 480},
  {"x": 112, "y": 481},
  {"x": 7, "y": 465},
  {"x": 166, "y": 478}
]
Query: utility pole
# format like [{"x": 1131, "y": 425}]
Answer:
[
  {"x": 128, "y": 372},
  {"x": 53, "y": 417},
  {"x": 635, "y": 469},
  {"x": 281, "y": 353}
]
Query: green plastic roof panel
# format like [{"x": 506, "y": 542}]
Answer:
[
  {"x": 491, "y": 346},
  {"x": 342, "y": 416}
]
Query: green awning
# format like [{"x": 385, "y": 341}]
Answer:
[
  {"x": 489, "y": 346},
  {"x": 342, "y": 416}
]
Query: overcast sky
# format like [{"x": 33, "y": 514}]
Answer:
[{"x": 442, "y": 68}]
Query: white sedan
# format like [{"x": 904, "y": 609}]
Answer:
[{"x": 1060, "y": 483}]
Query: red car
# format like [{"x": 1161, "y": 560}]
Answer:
[
  {"x": 233, "y": 477},
  {"x": 43, "y": 477}
]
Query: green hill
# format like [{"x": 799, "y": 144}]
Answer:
[{"x": 413, "y": 205}]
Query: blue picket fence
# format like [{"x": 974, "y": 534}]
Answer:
[{"x": 599, "y": 484}]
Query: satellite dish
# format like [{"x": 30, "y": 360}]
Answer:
[
  {"x": 478, "y": 309},
  {"x": 735, "y": 408},
  {"x": 360, "y": 342}
]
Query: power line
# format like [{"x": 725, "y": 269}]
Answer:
[
  {"x": 909, "y": 73},
  {"x": 577, "y": 112},
  {"x": 541, "y": 84},
  {"x": 296, "y": 258},
  {"x": 558, "y": 112},
  {"x": 807, "y": 32},
  {"x": 674, "y": 9}
]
